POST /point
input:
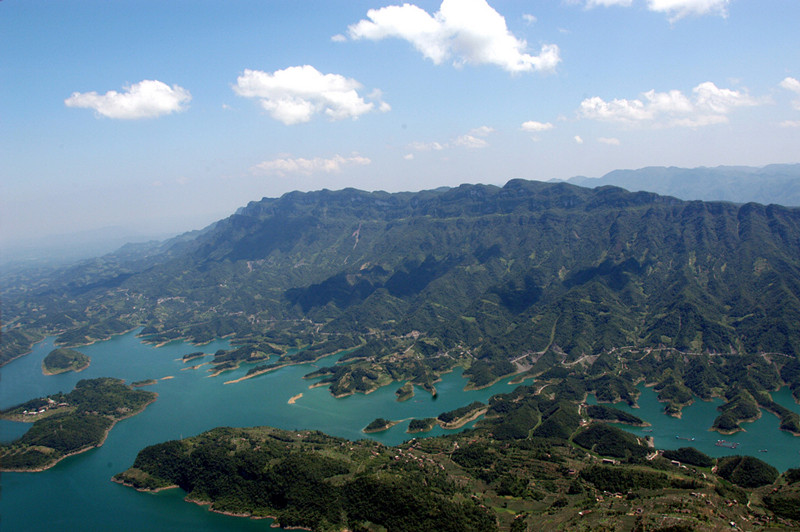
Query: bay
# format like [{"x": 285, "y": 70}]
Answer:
[
  {"x": 78, "y": 493},
  {"x": 692, "y": 429}
]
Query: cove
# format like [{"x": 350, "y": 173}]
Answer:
[
  {"x": 78, "y": 493},
  {"x": 782, "y": 448}
]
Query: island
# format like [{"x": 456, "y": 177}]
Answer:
[
  {"x": 379, "y": 425},
  {"x": 421, "y": 425},
  {"x": 62, "y": 360},
  {"x": 68, "y": 424}
]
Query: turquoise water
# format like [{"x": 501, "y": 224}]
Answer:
[
  {"x": 78, "y": 493},
  {"x": 782, "y": 448}
]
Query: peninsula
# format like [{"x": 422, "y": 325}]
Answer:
[{"x": 68, "y": 424}]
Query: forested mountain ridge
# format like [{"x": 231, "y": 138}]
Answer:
[{"x": 498, "y": 279}]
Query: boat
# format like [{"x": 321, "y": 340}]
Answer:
[
  {"x": 762, "y": 450},
  {"x": 726, "y": 443},
  {"x": 684, "y": 438}
]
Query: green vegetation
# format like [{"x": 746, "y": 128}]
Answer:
[
  {"x": 459, "y": 416},
  {"x": 61, "y": 360},
  {"x": 65, "y": 424},
  {"x": 309, "y": 479},
  {"x": 608, "y": 440},
  {"x": 421, "y": 425},
  {"x": 405, "y": 392},
  {"x": 695, "y": 299},
  {"x": 608, "y": 413},
  {"x": 746, "y": 471},
  {"x": 379, "y": 425},
  {"x": 688, "y": 455}
]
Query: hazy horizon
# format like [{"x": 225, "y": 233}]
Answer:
[{"x": 160, "y": 118}]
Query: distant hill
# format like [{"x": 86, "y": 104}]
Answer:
[
  {"x": 499, "y": 280},
  {"x": 774, "y": 184}
]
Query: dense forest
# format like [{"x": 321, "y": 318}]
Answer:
[
  {"x": 532, "y": 463},
  {"x": 70, "y": 423}
]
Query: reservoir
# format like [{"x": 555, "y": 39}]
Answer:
[{"x": 79, "y": 495}]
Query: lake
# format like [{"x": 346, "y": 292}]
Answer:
[{"x": 78, "y": 494}]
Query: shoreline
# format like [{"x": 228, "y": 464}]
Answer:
[
  {"x": 83, "y": 449},
  {"x": 460, "y": 422},
  {"x": 50, "y": 373},
  {"x": 293, "y": 399},
  {"x": 381, "y": 429}
]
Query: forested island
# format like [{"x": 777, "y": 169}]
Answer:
[
  {"x": 531, "y": 462},
  {"x": 67, "y": 424},
  {"x": 587, "y": 291},
  {"x": 61, "y": 360}
]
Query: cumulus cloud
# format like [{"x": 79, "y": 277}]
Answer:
[
  {"x": 287, "y": 166},
  {"x": 147, "y": 99},
  {"x": 677, "y": 9},
  {"x": 468, "y": 31},
  {"x": 710, "y": 105},
  {"x": 474, "y": 139},
  {"x": 295, "y": 94},
  {"x": 534, "y": 126},
  {"x": 793, "y": 85}
]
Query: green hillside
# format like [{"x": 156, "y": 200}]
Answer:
[{"x": 592, "y": 290}]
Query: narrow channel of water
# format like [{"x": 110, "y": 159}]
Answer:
[
  {"x": 781, "y": 449},
  {"x": 78, "y": 493}
]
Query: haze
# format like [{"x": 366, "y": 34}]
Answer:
[{"x": 159, "y": 117}]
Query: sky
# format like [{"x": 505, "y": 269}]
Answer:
[{"x": 161, "y": 116}]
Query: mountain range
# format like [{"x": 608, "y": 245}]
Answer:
[
  {"x": 499, "y": 280},
  {"x": 774, "y": 183}
]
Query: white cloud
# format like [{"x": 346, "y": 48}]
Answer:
[
  {"x": 528, "y": 18},
  {"x": 711, "y": 105},
  {"x": 469, "y": 31},
  {"x": 475, "y": 138},
  {"x": 286, "y": 166},
  {"x": 793, "y": 85},
  {"x": 482, "y": 131},
  {"x": 296, "y": 94},
  {"x": 607, "y": 3},
  {"x": 611, "y": 141},
  {"x": 674, "y": 9},
  {"x": 677, "y": 9},
  {"x": 146, "y": 99},
  {"x": 408, "y": 156},
  {"x": 426, "y": 146},
  {"x": 470, "y": 141},
  {"x": 338, "y": 38},
  {"x": 534, "y": 126},
  {"x": 578, "y": 139},
  {"x": 711, "y": 98}
]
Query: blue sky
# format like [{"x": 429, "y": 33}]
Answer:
[{"x": 162, "y": 116}]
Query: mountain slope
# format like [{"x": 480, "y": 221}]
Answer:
[{"x": 499, "y": 280}]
